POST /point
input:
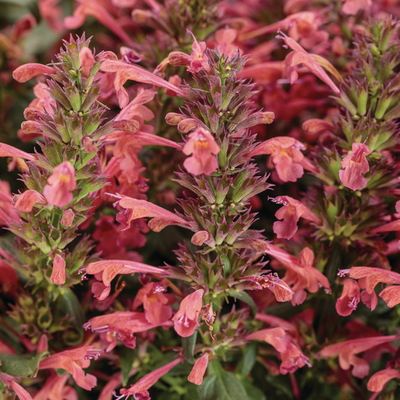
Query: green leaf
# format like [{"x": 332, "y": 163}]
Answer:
[
  {"x": 21, "y": 365},
  {"x": 188, "y": 344},
  {"x": 221, "y": 385},
  {"x": 245, "y": 297},
  {"x": 248, "y": 360},
  {"x": 253, "y": 392},
  {"x": 126, "y": 361}
]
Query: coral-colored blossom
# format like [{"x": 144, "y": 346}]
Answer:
[
  {"x": 135, "y": 209},
  {"x": 352, "y": 7},
  {"x": 186, "y": 319},
  {"x": 286, "y": 156},
  {"x": 86, "y": 60},
  {"x": 291, "y": 212},
  {"x": 347, "y": 353},
  {"x": 122, "y": 325},
  {"x": 54, "y": 388},
  {"x": 107, "y": 270},
  {"x": 355, "y": 166},
  {"x": 155, "y": 302},
  {"x": 73, "y": 361},
  {"x": 58, "y": 274},
  {"x": 349, "y": 299},
  {"x": 198, "y": 60},
  {"x": 139, "y": 389},
  {"x": 198, "y": 370},
  {"x": 203, "y": 147},
  {"x": 370, "y": 277},
  {"x": 293, "y": 359},
  {"x": 9, "y": 151},
  {"x": 28, "y": 199},
  {"x": 378, "y": 380},
  {"x": 61, "y": 183},
  {"x": 300, "y": 272},
  {"x": 276, "y": 337},
  {"x": 125, "y": 72},
  {"x": 300, "y": 56},
  {"x": 28, "y": 71},
  {"x": 20, "y": 391}
]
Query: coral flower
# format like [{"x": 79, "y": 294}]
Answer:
[
  {"x": 73, "y": 361},
  {"x": 347, "y": 353},
  {"x": 203, "y": 147},
  {"x": 286, "y": 156},
  {"x": 378, "y": 381},
  {"x": 355, "y": 166},
  {"x": 61, "y": 183},
  {"x": 349, "y": 299},
  {"x": 198, "y": 60},
  {"x": 186, "y": 319},
  {"x": 139, "y": 389},
  {"x": 198, "y": 370},
  {"x": 28, "y": 199},
  {"x": 352, "y": 7},
  {"x": 54, "y": 388},
  {"x": 291, "y": 212}
]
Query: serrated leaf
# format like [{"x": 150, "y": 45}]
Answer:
[
  {"x": 21, "y": 365},
  {"x": 127, "y": 357},
  {"x": 188, "y": 344},
  {"x": 245, "y": 297}
]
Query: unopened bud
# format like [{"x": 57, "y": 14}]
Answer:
[
  {"x": 187, "y": 125},
  {"x": 177, "y": 58},
  {"x": 67, "y": 217},
  {"x": 268, "y": 117},
  {"x": 200, "y": 237},
  {"x": 173, "y": 118}
]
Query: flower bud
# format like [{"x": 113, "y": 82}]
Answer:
[
  {"x": 67, "y": 217},
  {"x": 187, "y": 125},
  {"x": 173, "y": 118},
  {"x": 177, "y": 58}
]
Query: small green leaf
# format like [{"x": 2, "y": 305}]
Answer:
[
  {"x": 188, "y": 344},
  {"x": 21, "y": 365},
  {"x": 248, "y": 360},
  {"x": 245, "y": 297},
  {"x": 126, "y": 361}
]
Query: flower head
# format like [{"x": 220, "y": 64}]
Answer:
[
  {"x": 286, "y": 156},
  {"x": 73, "y": 361},
  {"x": 198, "y": 370},
  {"x": 203, "y": 147},
  {"x": 61, "y": 183},
  {"x": 186, "y": 319},
  {"x": 355, "y": 166},
  {"x": 291, "y": 212},
  {"x": 349, "y": 299}
]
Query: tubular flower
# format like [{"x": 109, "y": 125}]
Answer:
[
  {"x": 349, "y": 299},
  {"x": 276, "y": 337},
  {"x": 28, "y": 71},
  {"x": 198, "y": 60},
  {"x": 61, "y": 183},
  {"x": 286, "y": 156},
  {"x": 107, "y": 270},
  {"x": 370, "y": 277},
  {"x": 300, "y": 56},
  {"x": 155, "y": 302},
  {"x": 186, "y": 319},
  {"x": 347, "y": 353},
  {"x": 73, "y": 361},
  {"x": 355, "y": 166},
  {"x": 379, "y": 380},
  {"x": 204, "y": 148},
  {"x": 139, "y": 389},
  {"x": 291, "y": 212},
  {"x": 198, "y": 370},
  {"x": 55, "y": 388},
  {"x": 28, "y": 199},
  {"x": 135, "y": 209},
  {"x": 300, "y": 272}
]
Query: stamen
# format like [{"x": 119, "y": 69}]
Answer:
[
  {"x": 343, "y": 272},
  {"x": 353, "y": 303},
  {"x": 93, "y": 353}
]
